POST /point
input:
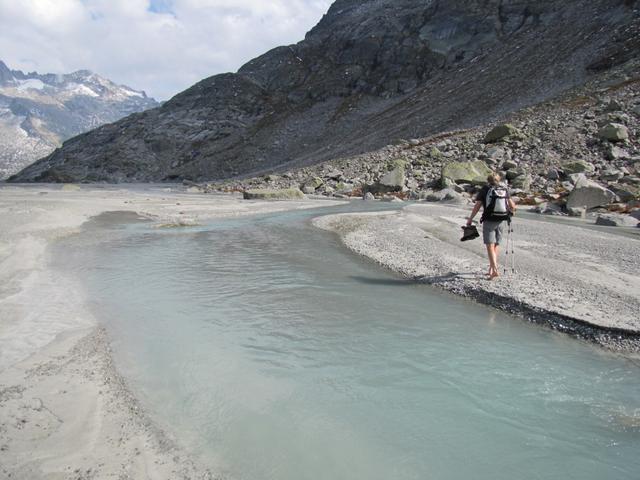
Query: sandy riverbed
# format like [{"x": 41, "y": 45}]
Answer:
[
  {"x": 583, "y": 281},
  {"x": 65, "y": 411}
]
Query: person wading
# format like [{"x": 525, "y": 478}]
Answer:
[{"x": 498, "y": 207}]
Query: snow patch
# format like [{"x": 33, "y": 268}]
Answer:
[
  {"x": 78, "y": 89},
  {"x": 31, "y": 83},
  {"x": 131, "y": 93}
]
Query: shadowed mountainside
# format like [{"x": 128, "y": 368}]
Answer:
[{"x": 370, "y": 72}]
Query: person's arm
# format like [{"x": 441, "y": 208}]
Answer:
[
  {"x": 476, "y": 209},
  {"x": 512, "y": 206}
]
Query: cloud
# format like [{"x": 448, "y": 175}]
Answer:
[{"x": 161, "y": 46}]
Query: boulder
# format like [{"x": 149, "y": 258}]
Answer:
[
  {"x": 498, "y": 153},
  {"x": 614, "y": 152},
  {"x": 576, "y": 178},
  {"x": 614, "y": 132},
  {"x": 516, "y": 172},
  {"x": 501, "y": 132},
  {"x": 630, "y": 180},
  {"x": 268, "y": 194},
  {"x": 465, "y": 172},
  {"x": 589, "y": 194},
  {"x": 616, "y": 220},
  {"x": 611, "y": 175},
  {"x": 522, "y": 182},
  {"x": 577, "y": 166},
  {"x": 334, "y": 175},
  {"x": 368, "y": 197},
  {"x": 395, "y": 177},
  {"x": 626, "y": 193},
  {"x": 509, "y": 164},
  {"x": 392, "y": 181},
  {"x": 344, "y": 188},
  {"x": 313, "y": 183}
]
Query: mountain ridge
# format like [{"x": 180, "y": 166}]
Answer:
[
  {"x": 368, "y": 73},
  {"x": 39, "y": 111}
]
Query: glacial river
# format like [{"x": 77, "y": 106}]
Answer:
[{"x": 274, "y": 353}]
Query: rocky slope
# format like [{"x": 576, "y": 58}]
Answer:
[
  {"x": 580, "y": 149},
  {"x": 368, "y": 73},
  {"x": 38, "y": 112}
]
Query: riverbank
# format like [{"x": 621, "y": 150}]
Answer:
[
  {"x": 576, "y": 280},
  {"x": 66, "y": 413}
]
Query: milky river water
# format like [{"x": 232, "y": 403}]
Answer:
[{"x": 274, "y": 353}]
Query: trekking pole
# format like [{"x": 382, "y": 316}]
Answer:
[
  {"x": 507, "y": 259},
  {"x": 513, "y": 250}
]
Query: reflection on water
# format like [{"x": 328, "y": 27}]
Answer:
[{"x": 278, "y": 355}]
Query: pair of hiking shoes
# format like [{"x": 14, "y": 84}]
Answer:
[{"x": 469, "y": 233}]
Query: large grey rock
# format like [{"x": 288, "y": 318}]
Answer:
[
  {"x": 614, "y": 132},
  {"x": 267, "y": 194},
  {"x": 312, "y": 184},
  {"x": 577, "y": 166},
  {"x": 576, "y": 178},
  {"x": 626, "y": 193},
  {"x": 522, "y": 182},
  {"x": 509, "y": 164},
  {"x": 498, "y": 153},
  {"x": 394, "y": 179},
  {"x": 516, "y": 172},
  {"x": 589, "y": 194},
  {"x": 465, "y": 172},
  {"x": 501, "y": 132},
  {"x": 614, "y": 152},
  {"x": 616, "y": 220},
  {"x": 611, "y": 175}
]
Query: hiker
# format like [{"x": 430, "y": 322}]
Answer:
[{"x": 497, "y": 207}]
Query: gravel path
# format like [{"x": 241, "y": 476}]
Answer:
[{"x": 579, "y": 280}]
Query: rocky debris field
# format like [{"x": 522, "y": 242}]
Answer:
[{"x": 577, "y": 155}]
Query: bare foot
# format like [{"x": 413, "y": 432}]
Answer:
[{"x": 493, "y": 275}]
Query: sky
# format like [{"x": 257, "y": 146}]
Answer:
[{"x": 160, "y": 46}]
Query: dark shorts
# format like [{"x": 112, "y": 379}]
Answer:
[{"x": 492, "y": 231}]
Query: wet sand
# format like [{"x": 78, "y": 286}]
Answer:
[{"x": 66, "y": 412}]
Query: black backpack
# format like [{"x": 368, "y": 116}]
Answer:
[{"x": 496, "y": 204}]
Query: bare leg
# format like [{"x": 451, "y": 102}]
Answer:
[{"x": 493, "y": 262}]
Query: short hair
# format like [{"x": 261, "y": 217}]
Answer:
[{"x": 494, "y": 179}]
